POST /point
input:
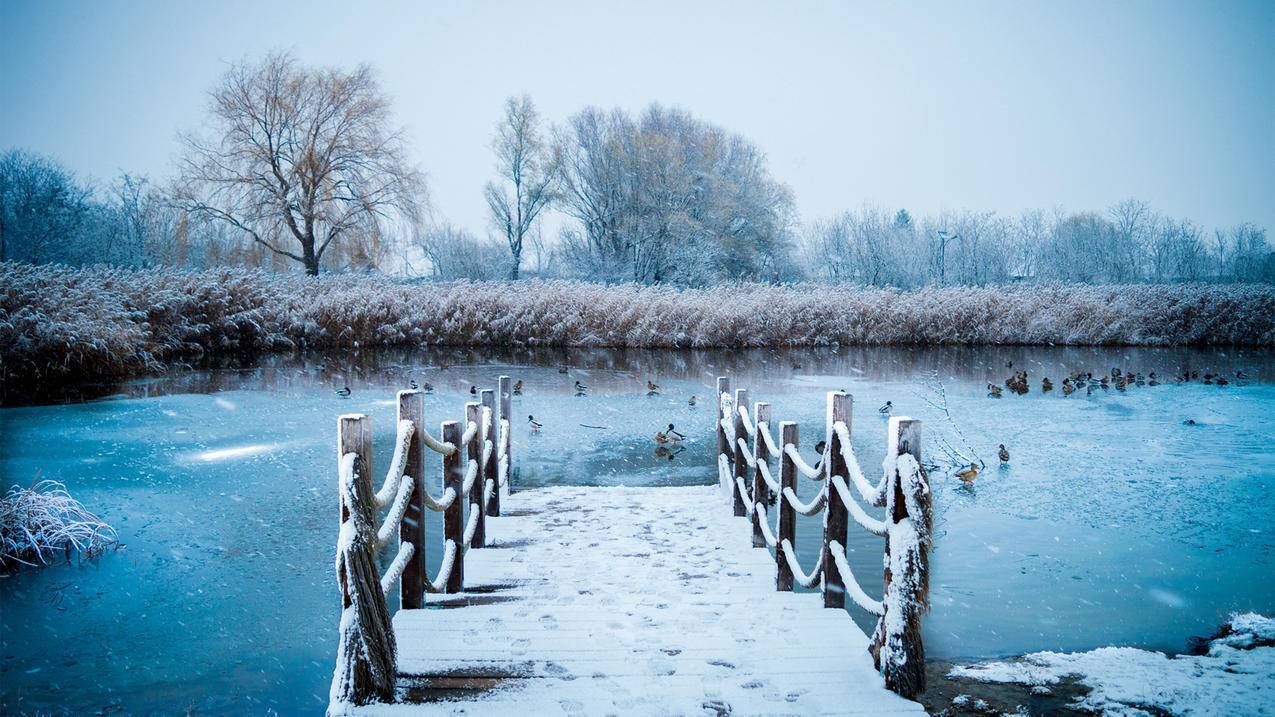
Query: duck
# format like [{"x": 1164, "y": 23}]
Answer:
[
  {"x": 1189, "y": 422},
  {"x": 1121, "y": 383},
  {"x": 581, "y": 389},
  {"x": 563, "y": 369},
  {"x": 1221, "y": 381},
  {"x": 413, "y": 385},
  {"x": 651, "y": 386},
  {"x": 427, "y": 387},
  {"x": 344, "y": 392},
  {"x": 663, "y": 438},
  {"x": 674, "y": 434},
  {"x": 993, "y": 390},
  {"x": 1241, "y": 375},
  {"x": 535, "y": 425},
  {"x": 691, "y": 402},
  {"x": 518, "y": 387},
  {"x": 1152, "y": 380},
  {"x": 473, "y": 390},
  {"x": 1046, "y": 384},
  {"x": 968, "y": 475},
  {"x": 1115, "y": 372},
  {"x": 819, "y": 449},
  {"x": 1003, "y": 453},
  {"x": 1067, "y": 388},
  {"x": 886, "y": 408}
]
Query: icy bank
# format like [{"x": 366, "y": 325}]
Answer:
[{"x": 1235, "y": 676}]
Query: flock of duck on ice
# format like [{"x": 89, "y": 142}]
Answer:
[{"x": 668, "y": 441}]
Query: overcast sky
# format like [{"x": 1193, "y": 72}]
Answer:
[{"x": 999, "y": 106}]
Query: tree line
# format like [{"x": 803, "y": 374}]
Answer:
[{"x": 303, "y": 166}]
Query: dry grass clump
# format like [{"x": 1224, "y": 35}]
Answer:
[
  {"x": 43, "y": 521},
  {"x": 103, "y": 322}
]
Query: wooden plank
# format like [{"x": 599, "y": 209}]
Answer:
[
  {"x": 411, "y": 588},
  {"x": 454, "y": 516},
  {"x": 835, "y": 519}
]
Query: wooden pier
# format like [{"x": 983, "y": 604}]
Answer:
[{"x": 620, "y": 600}]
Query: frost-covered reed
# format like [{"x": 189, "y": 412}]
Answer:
[
  {"x": 102, "y": 322},
  {"x": 43, "y": 522}
]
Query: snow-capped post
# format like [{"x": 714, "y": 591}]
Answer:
[
  {"x": 454, "y": 516},
  {"x": 365, "y": 662},
  {"x": 411, "y": 589},
  {"x": 741, "y": 461},
  {"x": 896, "y": 647},
  {"x": 474, "y": 453},
  {"x": 723, "y": 445},
  {"x": 840, "y": 409},
  {"x": 787, "y": 516},
  {"x": 505, "y": 421},
  {"x": 761, "y": 491},
  {"x": 489, "y": 473}
]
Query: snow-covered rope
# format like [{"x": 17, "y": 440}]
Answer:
[
  {"x": 471, "y": 430},
  {"x": 471, "y": 472},
  {"x": 872, "y": 495},
  {"x": 729, "y": 429},
  {"x": 502, "y": 462},
  {"x": 765, "y": 474},
  {"x": 764, "y": 429},
  {"x": 802, "y": 466},
  {"x": 489, "y": 487},
  {"x": 763, "y": 520},
  {"x": 726, "y": 409},
  {"x": 867, "y": 522},
  {"x": 435, "y": 445},
  {"x": 487, "y": 449},
  {"x": 747, "y": 422},
  {"x": 748, "y": 453},
  {"x": 395, "y": 571},
  {"x": 856, "y": 593},
  {"x": 389, "y": 527},
  {"x": 395, "y": 474},
  {"x": 502, "y": 470},
  {"x": 810, "y": 508},
  {"x": 440, "y": 504},
  {"x": 444, "y": 570},
  {"x": 806, "y": 581},
  {"x": 471, "y": 526},
  {"x": 743, "y": 492},
  {"x": 723, "y": 472}
]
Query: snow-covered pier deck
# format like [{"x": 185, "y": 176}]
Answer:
[
  {"x": 629, "y": 601},
  {"x": 575, "y": 600}
]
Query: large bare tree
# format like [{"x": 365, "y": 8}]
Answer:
[
  {"x": 300, "y": 159},
  {"x": 526, "y": 175}
]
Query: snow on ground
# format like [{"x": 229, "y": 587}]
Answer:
[{"x": 1235, "y": 677}]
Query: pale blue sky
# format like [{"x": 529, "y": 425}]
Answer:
[{"x": 988, "y": 105}]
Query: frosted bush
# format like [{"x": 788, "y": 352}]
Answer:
[
  {"x": 43, "y": 522},
  {"x": 104, "y": 322}
]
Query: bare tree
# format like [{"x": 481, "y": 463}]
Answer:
[
  {"x": 526, "y": 175},
  {"x": 298, "y": 158}
]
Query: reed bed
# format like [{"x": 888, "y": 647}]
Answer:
[
  {"x": 75, "y": 324},
  {"x": 42, "y": 522}
]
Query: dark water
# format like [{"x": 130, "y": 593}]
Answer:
[{"x": 1114, "y": 522}]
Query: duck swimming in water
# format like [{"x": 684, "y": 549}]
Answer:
[
  {"x": 968, "y": 475},
  {"x": 343, "y": 392},
  {"x": 885, "y": 409},
  {"x": 1003, "y": 453},
  {"x": 518, "y": 387},
  {"x": 535, "y": 425},
  {"x": 993, "y": 390}
]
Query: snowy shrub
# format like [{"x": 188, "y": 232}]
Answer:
[
  {"x": 41, "y": 522},
  {"x": 102, "y": 322}
]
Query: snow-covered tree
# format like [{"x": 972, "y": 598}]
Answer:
[{"x": 526, "y": 168}]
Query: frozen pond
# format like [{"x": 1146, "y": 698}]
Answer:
[{"x": 1115, "y": 522}]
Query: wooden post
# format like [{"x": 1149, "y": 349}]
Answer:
[
  {"x": 474, "y": 452},
  {"x": 741, "y": 463},
  {"x": 454, "y": 516},
  {"x": 840, "y": 409},
  {"x": 723, "y": 387},
  {"x": 411, "y": 589},
  {"x": 906, "y": 675},
  {"x": 761, "y": 489},
  {"x": 505, "y": 390},
  {"x": 365, "y": 646},
  {"x": 353, "y": 435},
  {"x": 489, "y": 466},
  {"x": 787, "y": 516}
]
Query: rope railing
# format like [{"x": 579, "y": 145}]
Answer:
[
  {"x": 366, "y": 657},
  {"x": 745, "y": 447}
]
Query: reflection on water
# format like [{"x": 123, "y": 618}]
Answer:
[{"x": 1115, "y": 520}]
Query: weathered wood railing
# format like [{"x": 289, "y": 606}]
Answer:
[
  {"x": 475, "y": 467},
  {"x": 744, "y": 471}
]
